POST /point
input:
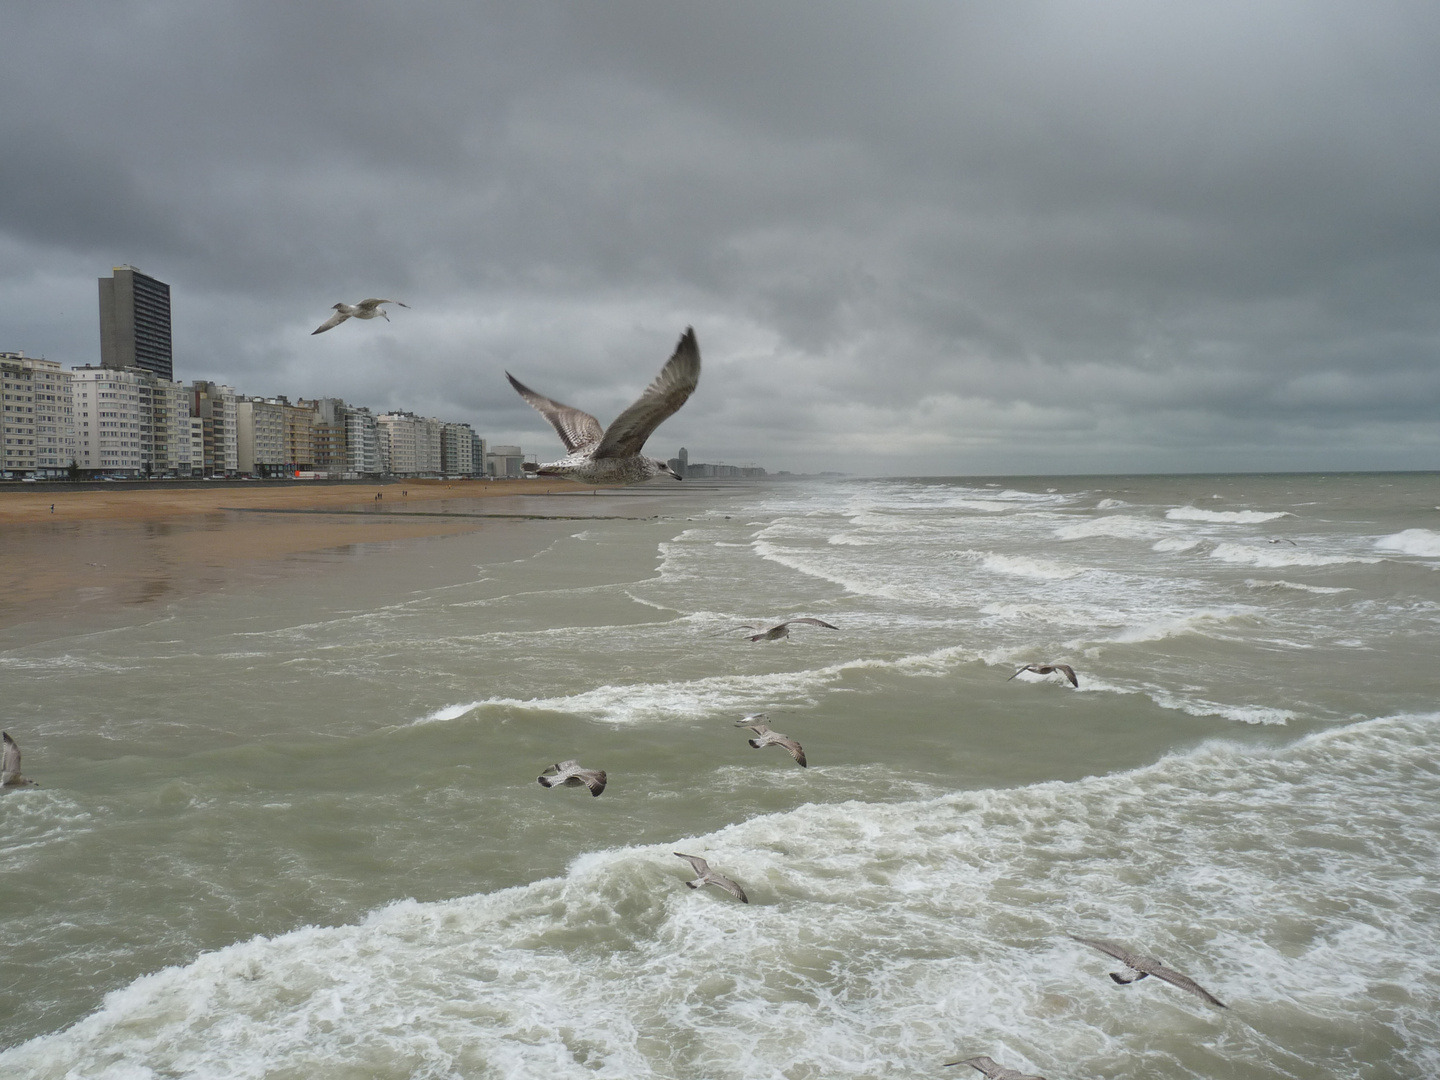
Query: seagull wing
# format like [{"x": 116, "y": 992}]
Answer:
[
  {"x": 9, "y": 759},
  {"x": 672, "y": 387},
  {"x": 1119, "y": 952},
  {"x": 1184, "y": 982},
  {"x": 699, "y": 865},
  {"x": 593, "y": 779},
  {"x": 811, "y": 622},
  {"x": 575, "y": 428},
  {"x": 993, "y": 1069},
  {"x": 792, "y": 747},
  {"x": 1069, "y": 673},
  {"x": 372, "y": 303},
  {"x": 330, "y": 323},
  {"x": 729, "y": 886}
]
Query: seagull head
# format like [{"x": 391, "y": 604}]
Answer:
[{"x": 664, "y": 467}]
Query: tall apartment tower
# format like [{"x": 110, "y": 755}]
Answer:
[{"x": 135, "y": 322}]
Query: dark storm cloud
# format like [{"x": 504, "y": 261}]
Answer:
[{"x": 927, "y": 237}]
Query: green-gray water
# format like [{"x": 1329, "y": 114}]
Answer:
[{"x": 293, "y": 829}]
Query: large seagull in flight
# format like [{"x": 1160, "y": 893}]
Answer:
[{"x": 612, "y": 455}]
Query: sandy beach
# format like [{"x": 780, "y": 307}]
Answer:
[{"x": 134, "y": 545}]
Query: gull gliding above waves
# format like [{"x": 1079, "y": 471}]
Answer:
[
  {"x": 756, "y": 722},
  {"x": 10, "y": 763},
  {"x": 366, "y": 309},
  {"x": 1147, "y": 965},
  {"x": 612, "y": 455}
]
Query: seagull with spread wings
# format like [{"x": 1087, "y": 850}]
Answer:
[
  {"x": 612, "y": 455},
  {"x": 775, "y": 633},
  {"x": 1050, "y": 669},
  {"x": 1147, "y": 965},
  {"x": 365, "y": 309},
  {"x": 706, "y": 876},
  {"x": 764, "y": 737},
  {"x": 10, "y": 763},
  {"x": 993, "y": 1070},
  {"x": 571, "y": 774}
]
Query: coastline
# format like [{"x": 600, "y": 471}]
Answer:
[{"x": 109, "y": 547}]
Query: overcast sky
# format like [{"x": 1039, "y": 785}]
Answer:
[{"x": 913, "y": 238}]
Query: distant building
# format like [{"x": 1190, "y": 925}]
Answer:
[
  {"x": 38, "y": 435},
  {"x": 114, "y": 419},
  {"x": 362, "y": 442},
  {"x": 135, "y": 323},
  {"x": 215, "y": 405},
  {"x": 457, "y": 450},
  {"x": 503, "y": 461},
  {"x": 477, "y": 454},
  {"x": 260, "y": 436}
]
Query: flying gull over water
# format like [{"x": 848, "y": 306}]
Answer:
[
  {"x": 1050, "y": 669},
  {"x": 612, "y": 455},
  {"x": 10, "y": 763},
  {"x": 365, "y": 309},
  {"x": 775, "y": 633},
  {"x": 706, "y": 876},
  {"x": 571, "y": 774},
  {"x": 993, "y": 1069},
  {"x": 756, "y": 722},
  {"x": 1148, "y": 965}
]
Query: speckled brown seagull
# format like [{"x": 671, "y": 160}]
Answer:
[
  {"x": 706, "y": 876},
  {"x": 365, "y": 309},
  {"x": 1050, "y": 669},
  {"x": 570, "y": 774},
  {"x": 775, "y": 633},
  {"x": 993, "y": 1069},
  {"x": 1148, "y": 965},
  {"x": 756, "y": 722},
  {"x": 612, "y": 455},
  {"x": 10, "y": 764}
]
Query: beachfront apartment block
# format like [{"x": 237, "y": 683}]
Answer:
[
  {"x": 135, "y": 323},
  {"x": 215, "y": 404},
  {"x": 260, "y": 436},
  {"x": 410, "y": 445},
  {"x": 39, "y": 431},
  {"x": 457, "y": 450},
  {"x": 127, "y": 421},
  {"x": 113, "y": 419},
  {"x": 362, "y": 442}
]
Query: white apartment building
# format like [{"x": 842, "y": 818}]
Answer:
[
  {"x": 260, "y": 444},
  {"x": 411, "y": 445},
  {"x": 362, "y": 442},
  {"x": 170, "y": 423},
  {"x": 39, "y": 423},
  {"x": 113, "y": 419},
  {"x": 457, "y": 451},
  {"x": 503, "y": 461}
]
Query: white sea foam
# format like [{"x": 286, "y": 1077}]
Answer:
[
  {"x": 1176, "y": 543},
  {"x": 1109, "y": 504},
  {"x": 1296, "y": 884},
  {"x": 1297, "y": 586},
  {"x": 1120, "y": 526},
  {"x": 1421, "y": 542},
  {"x": 1243, "y": 517},
  {"x": 1027, "y": 566},
  {"x": 1272, "y": 556},
  {"x": 1209, "y": 621}
]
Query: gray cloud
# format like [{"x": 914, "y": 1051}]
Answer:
[{"x": 918, "y": 238}]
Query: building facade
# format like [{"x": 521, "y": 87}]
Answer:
[
  {"x": 38, "y": 436},
  {"x": 114, "y": 420},
  {"x": 215, "y": 404},
  {"x": 135, "y": 323},
  {"x": 260, "y": 436}
]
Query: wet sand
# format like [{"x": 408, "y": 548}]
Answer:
[{"x": 109, "y": 547}]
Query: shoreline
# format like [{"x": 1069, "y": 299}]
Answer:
[
  {"x": 105, "y": 549},
  {"x": 114, "y": 502}
]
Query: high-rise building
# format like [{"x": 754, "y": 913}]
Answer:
[
  {"x": 39, "y": 423},
  {"x": 214, "y": 404},
  {"x": 135, "y": 323}
]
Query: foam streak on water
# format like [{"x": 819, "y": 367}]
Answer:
[{"x": 295, "y": 830}]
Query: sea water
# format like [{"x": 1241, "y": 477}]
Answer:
[{"x": 292, "y": 829}]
